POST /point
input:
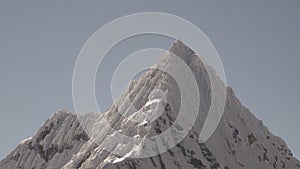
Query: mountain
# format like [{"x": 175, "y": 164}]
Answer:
[{"x": 241, "y": 141}]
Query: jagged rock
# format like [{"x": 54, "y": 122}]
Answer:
[{"x": 240, "y": 141}]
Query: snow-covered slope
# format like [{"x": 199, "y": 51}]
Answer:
[{"x": 240, "y": 141}]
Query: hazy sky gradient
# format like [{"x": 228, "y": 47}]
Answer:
[{"x": 258, "y": 43}]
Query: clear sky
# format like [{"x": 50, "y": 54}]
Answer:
[{"x": 258, "y": 42}]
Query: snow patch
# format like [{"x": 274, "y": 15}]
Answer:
[
  {"x": 143, "y": 122},
  {"x": 23, "y": 141},
  {"x": 152, "y": 102}
]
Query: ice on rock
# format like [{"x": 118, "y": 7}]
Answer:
[
  {"x": 152, "y": 102},
  {"x": 241, "y": 141}
]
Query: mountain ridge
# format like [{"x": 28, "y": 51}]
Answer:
[{"x": 240, "y": 141}]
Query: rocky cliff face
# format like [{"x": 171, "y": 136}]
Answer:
[{"x": 240, "y": 141}]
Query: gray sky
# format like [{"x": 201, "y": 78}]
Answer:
[{"x": 258, "y": 43}]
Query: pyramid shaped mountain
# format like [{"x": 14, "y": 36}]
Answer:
[{"x": 241, "y": 141}]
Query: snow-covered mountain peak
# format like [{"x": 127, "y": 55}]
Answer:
[{"x": 240, "y": 140}]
